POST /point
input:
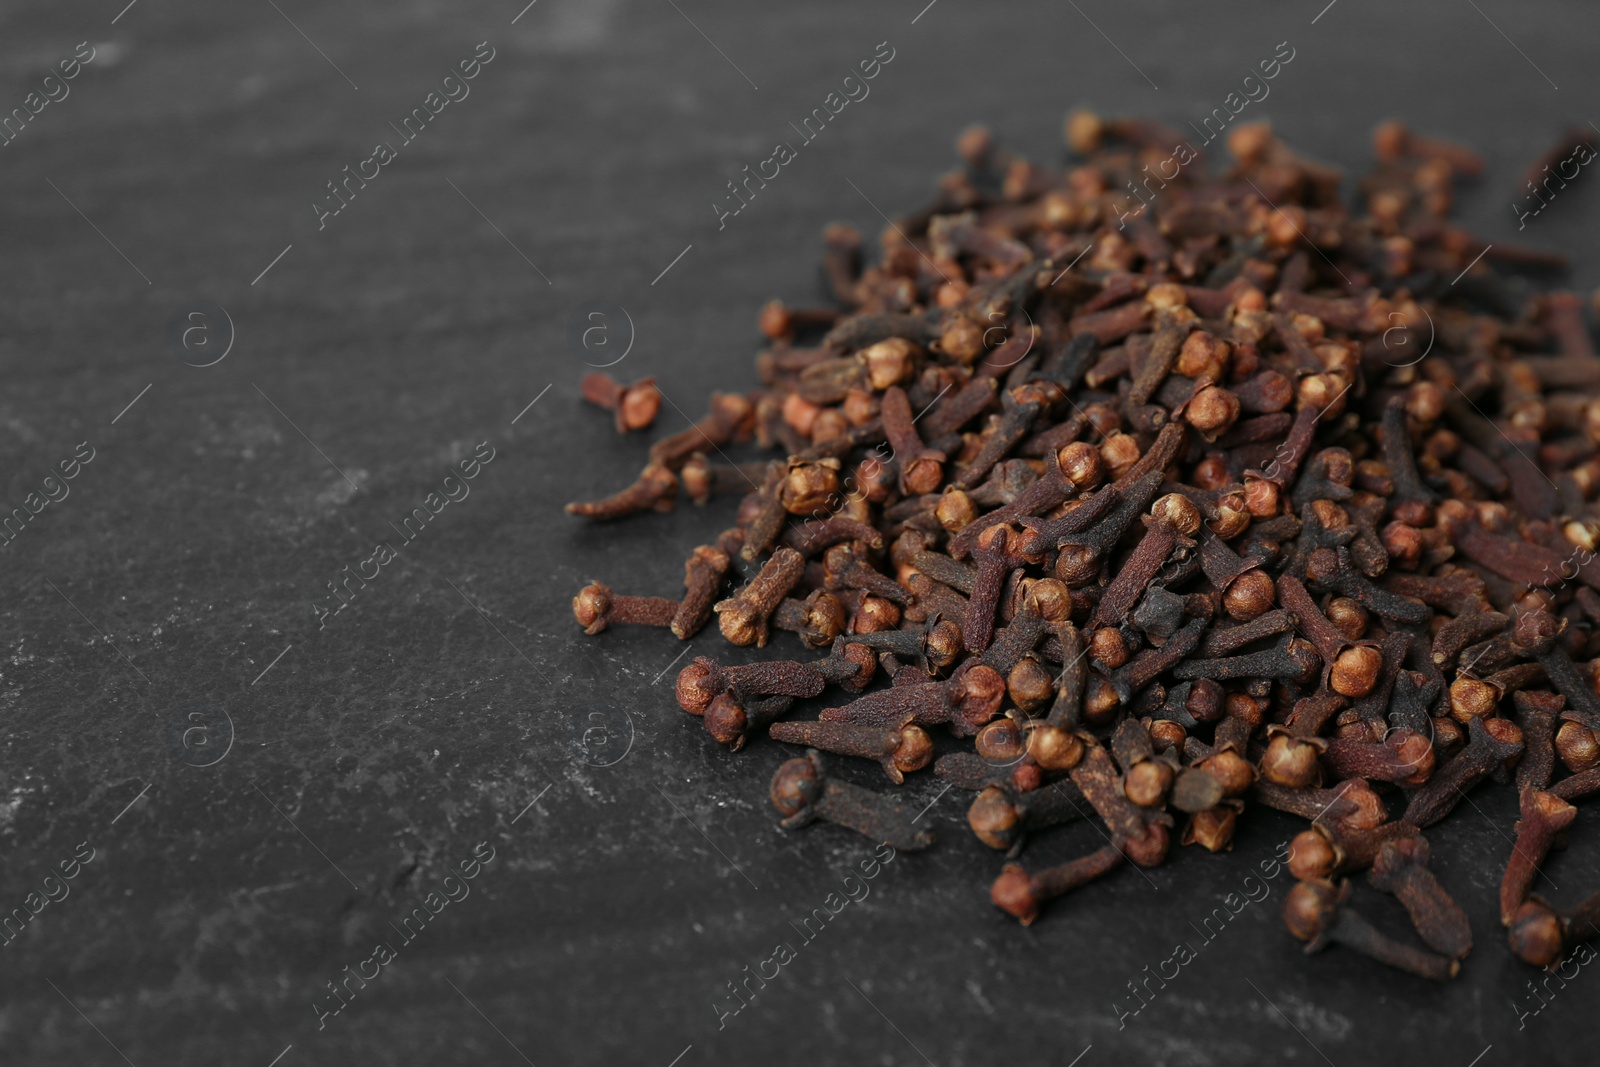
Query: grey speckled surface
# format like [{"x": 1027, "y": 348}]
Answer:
[{"x": 455, "y": 689}]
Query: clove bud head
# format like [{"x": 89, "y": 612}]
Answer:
[
  {"x": 1536, "y": 632},
  {"x": 698, "y": 684},
  {"x": 1054, "y": 748},
  {"x": 1213, "y": 829},
  {"x": 1536, "y": 935},
  {"x": 1576, "y": 745},
  {"x": 1471, "y": 698},
  {"x": 994, "y": 819},
  {"x": 795, "y": 786},
  {"x": 915, "y": 750},
  {"x": 1179, "y": 512},
  {"x": 1291, "y": 760},
  {"x": 1081, "y": 463},
  {"x": 591, "y": 606},
  {"x": 726, "y": 721},
  {"x": 1249, "y": 596},
  {"x": 1312, "y": 856},
  {"x": 1147, "y": 783},
  {"x": 1196, "y": 790},
  {"x": 1000, "y": 740},
  {"x": 1013, "y": 894},
  {"x": 1231, "y": 770},
  {"x": 1149, "y": 850},
  {"x": 1310, "y": 907},
  {"x": 977, "y": 698},
  {"x": 1355, "y": 671}
]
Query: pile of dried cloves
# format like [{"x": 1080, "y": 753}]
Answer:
[{"x": 1175, "y": 494}]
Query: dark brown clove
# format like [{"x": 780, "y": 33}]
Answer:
[
  {"x": 655, "y": 489},
  {"x": 1403, "y": 757},
  {"x": 1543, "y": 818},
  {"x": 744, "y": 617},
  {"x": 1097, "y": 779},
  {"x": 1349, "y": 806},
  {"x": 1541, "y": 935},
  {"x": 1321, "y": 852},
  {"x": 817, "y": 619},
  {"x": 704, "y": 574},
  {"x": 596, "y": 608},
  {"x": 1536, "y": 714},
  {"x": 1291, "y": 660},
  {"x": 921, "y": 468},
  {"x": 1401, "y": 868},
  {"x": 899, "y": 752},
  {"x": 966, "y": 701},
  {"x": 1174, "y": 519},
  {"x": 635, "y": 405},
  {"x": 802, "y": 792},
  {"x": 1021, "y": 895},
  {"x": 1449, "y": 784},
  {"x": 1536, "y": 634},
  {"x": 1331, "y": 568},
  {"x": 1004, "y": 821},
  {"x": 1315, "y": 912}
]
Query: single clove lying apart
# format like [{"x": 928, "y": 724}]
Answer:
[
  {"x": 803, "y": 793},
  {"x": 1316, "y": 913},
  {"x": 1021, "y": 895},
  {"x": 1143, "y": 510},
  {"x": 596, "y": 608},
  {"x": 635, "y": 405}
]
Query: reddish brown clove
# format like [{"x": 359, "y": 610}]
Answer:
[
  {"x": 1003, "y": 820},
  {"x": 1544, "y": 817},
  {"x": 899, "y": 752},
  {"x": 1021, "y": 895},
  {"x": 1401, "y": 868},
  {"x": 635, "y": 405},
  {"x": 656, "y": 488},
  {"x": 966, "y": 701},
  {"x": 1321, "y": 853},
  {"x": 1315, "y": 912},
  {"x": 1541, "y": 935},
  {"x": 596, "y": 608},
  {"x": 802, "y": 792},
  {"x": 744, "y": 617},
  {"x": 704, "y": 574}
]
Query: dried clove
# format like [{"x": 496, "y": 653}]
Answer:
[
  {"x": 1143, "y": 505},
  {"x": 802, "y": 792},
  {"x": 1021, "y": 895},
  {"x": 899, "y": 752},
  {"x": 1316, "y": 913},
  {"x": 1543, "y": 818},
  {"x": 1401, "y": 868}
]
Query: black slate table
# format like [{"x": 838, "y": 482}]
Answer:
[{"x": 265, "y": 792}]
